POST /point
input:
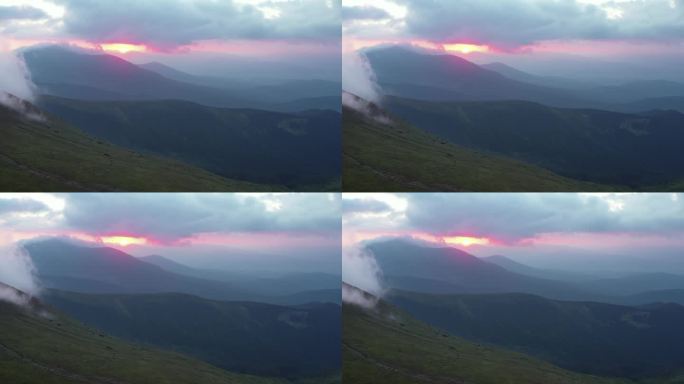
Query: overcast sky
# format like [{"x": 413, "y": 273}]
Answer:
[
  {"x": 197, "y": 228},
  {"x": 561, "y": 229},
  {"x": 526, "y": 32},
  {"x": 298, "y": 31}
]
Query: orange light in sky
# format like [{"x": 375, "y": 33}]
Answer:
[
  {"x": 123, "y": 48},
  {"x": 465, "y": 48},
  {"x": 465, "y": 241},
  {"x": 123, "y": 241}
]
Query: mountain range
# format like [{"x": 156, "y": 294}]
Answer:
[
  {"x": 233, "y": 135},
  {"x": 62, "y": 265},
  {"x": 458, "y": 126}
]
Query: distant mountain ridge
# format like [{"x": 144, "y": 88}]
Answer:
[
  {"x": 60, "y": 71},
  {"x": 101, "y": 270}
]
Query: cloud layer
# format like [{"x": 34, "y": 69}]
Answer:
[
  {"x": 170, "y": 24},
  {"x": 168, "y": 218},
  {"x": 509, "y": 24},
  {"x": 514, "y": 217}
]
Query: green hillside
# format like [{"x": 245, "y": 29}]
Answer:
[
  {"x": 398, "y": 157},
  {"x": 638, "y": 151},
  {"x": 294, "y": 342},
  {"x": 52, "y": 156},
  {"x": 37, "y": 347},
  {"x": 295, "y": 151},
  {"x": 385, "y": 345},
  {"x": 591, "y": 337}
]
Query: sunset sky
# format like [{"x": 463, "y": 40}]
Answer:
[
  {"x": 550, "y": 37},
  {"x": 179, "y": 31},
  {"x": 578, "y": 231},
  {"x": 196, "y": 228}
]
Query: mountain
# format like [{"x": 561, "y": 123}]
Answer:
[
  {"x": 65, "y": 266},
  {"x": 41, "y": 153},
  {"x": 443, "y": 270},
  {"x": 637, "y": 283},
  {"x": 298, "y": 151},
  {"x": 658, "y": 296},
  {"x": 262, "y": 339},
  {"x": 546, "y": 81},
  {"x": 381, "y": 153},
  {"x": 286, "y": 289},
  {"x": 39, "y": 345},
  {"x": 633, "y": 151},
  {"x": 63, "y": 72},
  {"x": 386, "y": 345},
  {"x": 675, "y": 103},
  {"x": 596, "y": 338},
  {"x": 404, "y": 72},
  {"x": 524, "y": 269},
  {"x": 284, "y": 95}
]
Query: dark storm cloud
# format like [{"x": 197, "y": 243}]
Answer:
[
  {"x": 512, "y": 217},
  {"x": 350, "y": 206},
  {"x": 21, "y": 12},
  {"x": 168, "y": 217},
  {"x": 21, "y": 205},
  {"x": 364, "y": 13},
  {"x": 512, "y": 23},
  {"x": 171, "y": 23}
]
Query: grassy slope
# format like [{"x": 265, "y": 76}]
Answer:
[
  {"x": 388, "y": 346},
  {"x": 403, "y": 158},
  {"x": 41, "y": 350},
  {"x": 635, "y": 151},
  {"x": 297, "y": 151},
  {"x": 40, "y": 156}
]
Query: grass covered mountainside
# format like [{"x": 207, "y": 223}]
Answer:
[
  {"x": 47, "y": 155},
  {"x": 291, "y": 342},
  {"x": 295, "y": 151},
  {"x": 591, "y": 337},
  {"x": 386, "y": 345},
  {"x": 638, "y": 151},
  {"x": 39, "y": 346},
  {"x": 396, "y": 156}
]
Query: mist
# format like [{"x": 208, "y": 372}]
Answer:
[
  {"x": 360, "y": 270},
  {"x": 358, "y": 77},
  {"x": 17, "y": 271},
  {"x": 14, "y": 77}
]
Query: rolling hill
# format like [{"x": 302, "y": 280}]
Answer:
[
  {"x": 383, "y": 154},
  {"x": 40, "y": 346},
  {"x": 44, "y": 154},
  {"x": 596, "y": 338},
  {"x": 297, "y": 151},
  {"x": 292, "y": 342},
  {"x": 634, "y": 151},
  {"x": 386, "y": 345}
]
